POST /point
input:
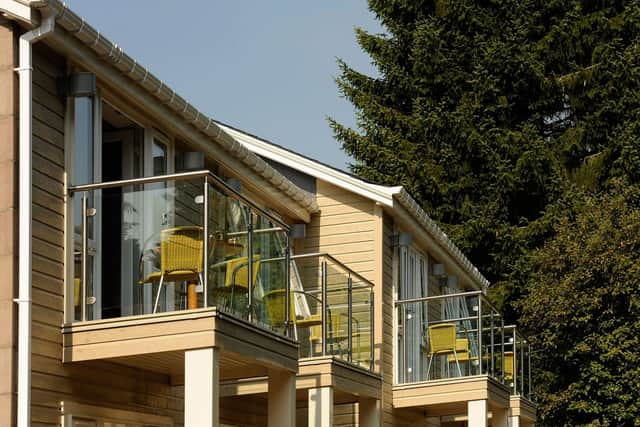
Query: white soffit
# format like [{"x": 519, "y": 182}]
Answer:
[{"x": 377, "y": 193}]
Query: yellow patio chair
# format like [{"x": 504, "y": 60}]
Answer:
[
  {"x": 442, "y": 342},
  {"x": 463, "y": 352},
  {"x": 181, "y": 258},
  {"x": 237, "y": 275},
  {"x": 508, "y": 365}
]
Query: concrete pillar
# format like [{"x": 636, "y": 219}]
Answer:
[
  {"x": 282, "y": 399},
  {"x": 370, "y": 413},
  {"x": 202, "y": 387},
  {"x": 478, "y": 413},
  {"x": 500, "y": 417},
  {"x": 321, "y": 407}
]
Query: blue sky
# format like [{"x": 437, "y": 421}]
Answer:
[{"x": 266, "y": 67}]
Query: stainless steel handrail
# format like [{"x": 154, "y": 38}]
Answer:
[
  {"x": 208, "y": 175},
  {"x": 485, "y": 300},
  {"x": 326, "y": 255}
]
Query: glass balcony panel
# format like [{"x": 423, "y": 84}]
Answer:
[
  {"x": 140, "y": 247},
  {"x": 269, "y": 287},
  {"x": 228, "y": 257},
  {"x": 327, "y": 292},
  {"x": 447, "y": 336}
]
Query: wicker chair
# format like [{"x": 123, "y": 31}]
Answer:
[
  {"x": 442, "y": 342},
  {"x": 181, "y": 258}
]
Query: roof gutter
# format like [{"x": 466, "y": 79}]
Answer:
[
  {"x": 406, "y": 201},
  {"x": 25, "y": 71},
  {"x": 112, "y": 54}
]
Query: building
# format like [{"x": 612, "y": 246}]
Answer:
[{"x": 164, "y": 269}]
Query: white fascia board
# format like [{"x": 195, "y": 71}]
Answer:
[
  {"x": 377, "y": 193},
  {"x": 18, "y": 11}
]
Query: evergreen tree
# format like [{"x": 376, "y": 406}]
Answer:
[
  {"x": 484, "y": 110},
  {"x": 501, "y": 118}
]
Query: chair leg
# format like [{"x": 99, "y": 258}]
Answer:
[
  {"x": 455, "y": 355},
  {"x": 429, "y": 366},
  {"x": 155, "y": 305}
]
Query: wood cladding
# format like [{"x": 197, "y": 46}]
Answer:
[{"x": 96, "y": 383}]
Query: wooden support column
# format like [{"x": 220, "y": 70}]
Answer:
[
  {"x": 500, "y": 417},
  {"x": 477, "y": 412},
  {"x": 202, "y": 387},
  {"x": 370, "y": 413},
  {"x": 282, "y": 399}
]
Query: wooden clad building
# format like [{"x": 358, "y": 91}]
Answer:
[{"x": 183, "y": 272}]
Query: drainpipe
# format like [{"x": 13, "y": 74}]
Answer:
[{"x": 25, "y": 71}]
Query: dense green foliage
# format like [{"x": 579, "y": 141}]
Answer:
[
  {"x": 494, "y": 115},
  {"x": 583, "y": 308}
]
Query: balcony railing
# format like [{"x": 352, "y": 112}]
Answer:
[
  {"x": 175, "y": 242},
  {"x": 517, "y": 353},
  {"x": 448, "y": 336},
  {"x": 459, "y": 335},
  {"x": 333, "y": 308}
]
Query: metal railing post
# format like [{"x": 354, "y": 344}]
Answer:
[
  {"x": 85, "y": 255},
  {"x": 514, "y": 368},
  {"x": 287, "y": 298},
  {"x": 350, "y": 319},
  {"x": 529, "y": 369},
  {"x": 205, "y": 237},
  {"x": 480, "y": 335},
  {"x": 324, "y": 306},
  {"x": 502, "y": 350},
  {"x": 522, "y": 366},
  {"x": 372, "y": 330},
  {"x": 493, "y": 372},
  {"x": 250, "y": 264}
]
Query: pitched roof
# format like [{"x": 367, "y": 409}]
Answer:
[
  {"x": 112, "y": 54},
  {"x": 391, "y": 197}
]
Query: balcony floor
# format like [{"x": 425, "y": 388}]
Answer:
[
  {"x": 450, "y": 396},
  {"x": 157, "y": 343}
]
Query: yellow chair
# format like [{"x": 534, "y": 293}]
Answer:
[
  {"x": 508, "y": 365},
  {"x": 464, "y": 355},
  {"x": 181, "y": 258},
  {"x": 442, "y": 342},
  {"x": 237, "y": 275}
]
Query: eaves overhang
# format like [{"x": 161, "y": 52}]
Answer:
[
  {"x": 392, "y": 198},
  {"x": 23, "y": 10}
]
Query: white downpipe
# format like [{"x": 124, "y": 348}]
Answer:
[{"x": 24, "y": 218}]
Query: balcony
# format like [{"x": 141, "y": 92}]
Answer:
[
  {"x": 332, "y": 320},
  {"x": 454, "y": 349},
  {"x": 167, "y": 264}
]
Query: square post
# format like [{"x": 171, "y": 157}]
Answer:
[
  {"x": 321, "y": 407},
  {"x": 369, "y": 413},
  {"x": 281, "y": 399},
  {"x": 477, "y": 412},
  {"x": 202, "y": 387}
]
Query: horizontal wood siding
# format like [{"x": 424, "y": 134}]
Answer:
[
  {"x": 94, "y": 383},
  {"x": 8, "y": 223}
]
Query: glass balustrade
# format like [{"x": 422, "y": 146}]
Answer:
[
  {"x": 448, "y": 336},
  {"x": 332, "y": 310},
  {"x": 175, "y": 242},
  {"x": 517, "y": 357}
]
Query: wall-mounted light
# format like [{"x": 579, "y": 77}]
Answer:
[
  {"x": 438, "y": 270},
  {"x": 298, "y": 231},
  {"x": 452, "y": 281}
]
